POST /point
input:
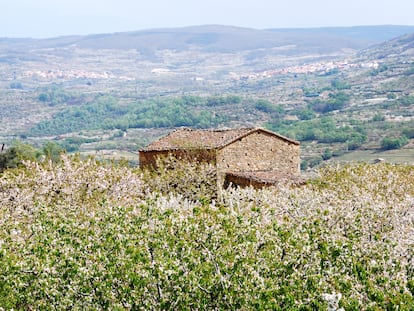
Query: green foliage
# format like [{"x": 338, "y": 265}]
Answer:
[
  {"x": 378, "y": 118},
  {"x": 305, "y": 114},
  {"x": 327, "y": 154},
  {"x": 304, "y": 165},
  {"x": 55, "y": 96},
  {"x": 323, "y": 130},
  {"x": 337, "y": 101},
  {"x": 18, "y": 152},
  {"x": 390, "y": 104},
  {"x": 106, "y": 113},
  {"x": 389, "y": 143},
  {"x": 222, "y": 100},
  {"x": 315, "y": 161},
  {"x": 268, "y": 107},
  {"x": 85, "y": 236},
  {"x": 340, "y": 85},
  {"x": 406, "y": 101},
  {"x": 91, "y": 116},
  {"x": 391, "y": 96},
  {"x": 408, "y": 132},
  {"x": 378, "y": 70},
  {"x": 53, "y": 151},
  {"x": 72, "y": 144}
]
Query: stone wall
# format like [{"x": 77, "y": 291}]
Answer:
[
  {"x": 260, "y": 179},
  {"x": 149, "y": 158},
  {"x": 243, "y": 182},
  {"x": 259, "y": 151}
]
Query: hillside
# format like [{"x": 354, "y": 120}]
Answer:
[
  {"x": 397, "y": 47},
  {"x": 367, "y": 33},
  {"x": 115, "y": 92},
  {"x": 227, "y": 39}
]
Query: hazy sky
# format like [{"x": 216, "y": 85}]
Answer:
[{"x": 47, "y": 18}]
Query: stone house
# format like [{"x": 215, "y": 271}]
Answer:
[{"x": 245, "y": 156}]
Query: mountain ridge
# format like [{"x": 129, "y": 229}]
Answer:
[{"x": 223, "y": 39}]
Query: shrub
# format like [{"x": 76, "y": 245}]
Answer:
[
  {"x": 378, "y": 70},
  {"x": 315, "y": 161},
  {"x": 327, "y": 154},
  {"x": 268, "y": 107},
  {"x": 336, "y": 102},
  {"x": 325, "y": 130},
  {"x": 389, "y": 143},
  {"x": 340, "y": 85},
  {"x": 407, "y": 101},
  {"x": 223, "y": 100},
  {"x": 305, "y": 114},
  {"x": 408, "y": 132},
  {"x": 391, "y": 96},
  {"x": 16, "y": 154},
  {"x": 378, "y": 118},
  {"x": 304, "y": 165}
]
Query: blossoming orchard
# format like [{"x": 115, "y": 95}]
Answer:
[{"x": 86, "y": 235}]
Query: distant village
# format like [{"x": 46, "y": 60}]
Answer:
[
  {"x": 70, "y": 74},
  {"x": 318, "y": 67},
  {"x": 321, "y": 67}
]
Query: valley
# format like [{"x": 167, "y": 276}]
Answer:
[{"x": 341, "y": 92}]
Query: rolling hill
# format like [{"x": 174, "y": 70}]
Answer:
[
  {"x": 218, "y": 38},
  {"x": 401, "y": 46},
  {"x": 95, "y": 88}
]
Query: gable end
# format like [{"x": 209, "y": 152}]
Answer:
[{"x": 260, "y": 130}]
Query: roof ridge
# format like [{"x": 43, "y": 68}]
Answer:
[{"x": 182, "y": 138}]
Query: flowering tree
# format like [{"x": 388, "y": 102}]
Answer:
[{"x": 83, "y": 235}]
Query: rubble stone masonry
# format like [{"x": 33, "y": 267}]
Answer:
[
  {"x": 232, "y": 151},
  {"x": 259, "y": 151}
]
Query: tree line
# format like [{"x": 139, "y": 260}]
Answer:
[{"x": 106, "y": 113}]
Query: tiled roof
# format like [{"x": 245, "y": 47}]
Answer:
[{"x": 186, "y": 138}]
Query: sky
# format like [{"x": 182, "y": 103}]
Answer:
[{"x": 51, "y": 18}]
